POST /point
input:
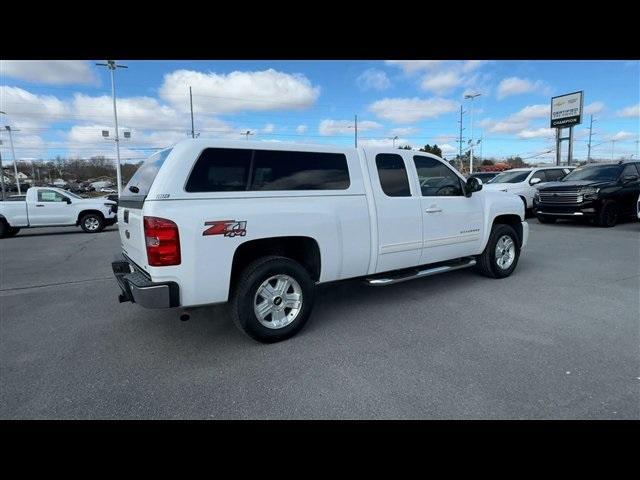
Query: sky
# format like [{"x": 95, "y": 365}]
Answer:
[{"x": 61, "y": 107}]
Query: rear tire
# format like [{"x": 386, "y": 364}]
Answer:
[
  {"x": 609, "y": 214},
  {"x": 92, "y": 223},
  {"x": 264, "y": 275},
  {"x": 503, "y": 241}
]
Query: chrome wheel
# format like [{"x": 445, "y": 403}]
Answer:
[
  {"x": 505, "y": 252},
  {"x": 278, "y": 301},
  {"x": 92, "y": 223}
]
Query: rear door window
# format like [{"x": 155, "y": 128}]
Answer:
[{"x": 393, "y": 175}]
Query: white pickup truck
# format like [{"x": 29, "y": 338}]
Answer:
[
  {"x": 54, "y": 207},
  {"x": 259, "y": 224}
]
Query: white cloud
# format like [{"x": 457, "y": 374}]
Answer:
[
  {"x": 533, "y": 111},
  {"x": 238, "y": 91},
  {"x": 400, "y": 131},
  {"x": 133, "y": 112},
  {"x": 301, "y": 128},
  {"x": 537, "y": 133},
  {"x": 441, "y": 83},
  {"x": 447, "y": 148},
  {"x": 412, "y": 66},
  {"x": 516, "y": 86},
  {"x": 622, "y": 135},
  {"x": 333, "y": 127},
  {"x": 373, "y": 79},
  {"x": 50, "y": 72},
  {"x": 268, "y": 128},
  {"x": 508, "y": 126},
  {"x": 25, "y": 146},
  {"x": 592, "y": 108},
  {"x": 383, "y": 142},
  {"x": 408, "y": 110},
  {"x": 631, "y": 111},
  {"x": 26, "y": 109}
]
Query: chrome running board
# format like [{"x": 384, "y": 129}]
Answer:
[{"x": 410, "y": 275}]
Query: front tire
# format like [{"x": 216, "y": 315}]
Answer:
[
  {"x": 500, "y": 256},
  {"x": 609, "y": 214},
  {"x": 273, "y": 299},
  {"x": 12, "y": 232},
  {"x": 92, "y": 223}
]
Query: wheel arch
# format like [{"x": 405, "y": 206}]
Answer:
[
  {"x": 302, "y": 249},
  {"x": 513, "y": 221},
  {"x": 87, "y": 211}
]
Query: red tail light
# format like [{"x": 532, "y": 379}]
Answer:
[{"x": 163, "y": 242}]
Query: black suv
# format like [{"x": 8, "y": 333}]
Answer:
[{"x": 603, "y": 193}]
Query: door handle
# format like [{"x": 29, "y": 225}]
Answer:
[
  {"x": 433, "y": 210},
  {"x": 39, "y": 205}
]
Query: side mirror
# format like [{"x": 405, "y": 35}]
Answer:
[
  {"x": 473, "y": 185},
  {"x": 68, "y": 200},
  {"x": 534, "y": 181}
]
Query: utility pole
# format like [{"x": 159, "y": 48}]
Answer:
[
  {"x": 471, "y": 96},
  {"x": 247, "y": 133},
  {"x": 193, "y": 135},
  {"x": 13, "y": 152},
  {"x": 112, "y": 65},
  {"x": 589, "y": 145},
  {"x": 460, "y": 141}
]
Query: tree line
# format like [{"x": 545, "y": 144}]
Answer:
[{"x": 72, "y": 169}]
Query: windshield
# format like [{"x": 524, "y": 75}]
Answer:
[
  {"x": 510, "y": 177},
  {"x": 72, "y": 195},
  {"x": 146, "y": 174},
  {"x": 599, "y": 172}
]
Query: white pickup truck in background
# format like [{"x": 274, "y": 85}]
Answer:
[
  {"x": 260, "y": 224},
  {"x": 54, "y": 207}
]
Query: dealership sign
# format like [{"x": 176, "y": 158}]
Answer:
[{"x": 566, "y": 110}]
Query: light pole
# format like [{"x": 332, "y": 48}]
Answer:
[
  {"x": 471, "y": 96},
  {"x": 394, "y": 141},
  {"x": 247, "y": 133},
  {"x": 111, "y": 65},
  {"x": 13, "y": 152},
  {"x": 590, "y": 134}
]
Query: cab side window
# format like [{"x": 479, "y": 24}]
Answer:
[
  {"x": 436, "y": 179},
  {"x": 50, "y": 196},
  {"x": 539, "y": 174}
]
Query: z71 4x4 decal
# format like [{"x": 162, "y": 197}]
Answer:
[{"x": 228, "y": 228}]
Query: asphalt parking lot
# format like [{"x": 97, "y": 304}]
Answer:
[{"x": 559, "y": 339}]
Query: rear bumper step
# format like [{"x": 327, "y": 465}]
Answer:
[
  {"x": 137, "y": 288},
  {"x": 403, "y": 276}
]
